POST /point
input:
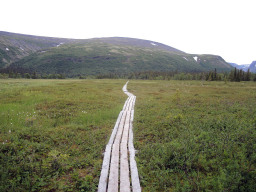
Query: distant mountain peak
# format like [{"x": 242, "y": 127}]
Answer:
[{"x": 252, "y": 67}]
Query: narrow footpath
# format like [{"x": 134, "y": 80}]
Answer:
[{"x": 119, "y": 169}]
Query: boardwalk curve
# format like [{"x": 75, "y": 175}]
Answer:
[{"x": 119, "y": 169}]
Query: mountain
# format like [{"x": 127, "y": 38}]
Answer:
[
  {"x": 98, "y": 56},
  {"x": 243, "y": 67},
  {"x": 16, "y": 46},
  {"x": 253, "y": 67}
]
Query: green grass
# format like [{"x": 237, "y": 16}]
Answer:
[
  {"x": 190, "y": 135},
  {"x": 53, "y": 132},
  {"x": 195, "y": 136}
]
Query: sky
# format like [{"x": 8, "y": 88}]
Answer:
[{"x": 220, "y": 27}]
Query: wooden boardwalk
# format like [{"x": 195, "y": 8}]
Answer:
[{"x": 119, "y": 169}]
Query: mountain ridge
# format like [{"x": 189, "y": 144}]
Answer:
[
  {"x": 244, "y": 67},
  {"x": 252, "y": 67},
  {"x": 99, "y": 56},
  {"x": 14, "y": 46}
]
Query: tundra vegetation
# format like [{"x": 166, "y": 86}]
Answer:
[
  {"x": 190, "y": 135},
  {"x": 195, "y": 135},
  {"x": 53, "y": 132}
]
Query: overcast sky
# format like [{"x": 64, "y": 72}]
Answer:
[{"x": 221, "y": 27}]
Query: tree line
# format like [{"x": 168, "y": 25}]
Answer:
[
  {"x": 33, "y": 75},
  {"x": 234, "y": 75}
]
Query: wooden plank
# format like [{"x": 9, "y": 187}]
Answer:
[
  {"x": 111, "y": 140},
  {"x": 124, "y": 164},
  {"x": 114, "y": 166},
  {"x": 114, "y": 169},
  {"x": 134, "y": 173},
  {"x": 120, "y": 142},
  {"x": 132, "y": 103},
  {"x": 125, "y": 87},
  {"x": 102, "y": 187},
  {"x": 104, "y": 171},
  {"x": 120, "y": 128},
  {"x": 133, "y": 166},
  {"x": 125, "y": 104},
  {"x": 124, "y": 169},
  {"x": 128, "y": 104}
]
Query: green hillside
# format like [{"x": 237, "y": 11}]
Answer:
[
  {"x": 16, "y": 46},
  {"x": 111, "y": 55}
]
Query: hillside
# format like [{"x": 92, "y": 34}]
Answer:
[
  {"x": 16, "y": 46},
  {"x": 107, "y": 55}
]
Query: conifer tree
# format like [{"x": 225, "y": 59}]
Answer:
[
  {"x": 248, "y": 75},
  {"x": 215, "y": 74}
]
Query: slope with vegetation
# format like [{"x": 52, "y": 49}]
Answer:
[
  {"x": 14, "y": 46},
  {"x": 112, "y": 55}
]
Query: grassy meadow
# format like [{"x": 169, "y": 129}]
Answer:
[
  {"x": 53, "y": 132},
  {"x": 190, "y": 135},
  {"x": 195, "y": 135}
]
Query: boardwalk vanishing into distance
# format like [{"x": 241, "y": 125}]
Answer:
[{"x": 119, "y": 169}]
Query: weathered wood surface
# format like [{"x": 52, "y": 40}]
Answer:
[
  {"x": 119, "y": 169},
  {"x": 133, "y": 166},
  {"x": 106, "y": 161},
  {"x": 124, "y": 164}
]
